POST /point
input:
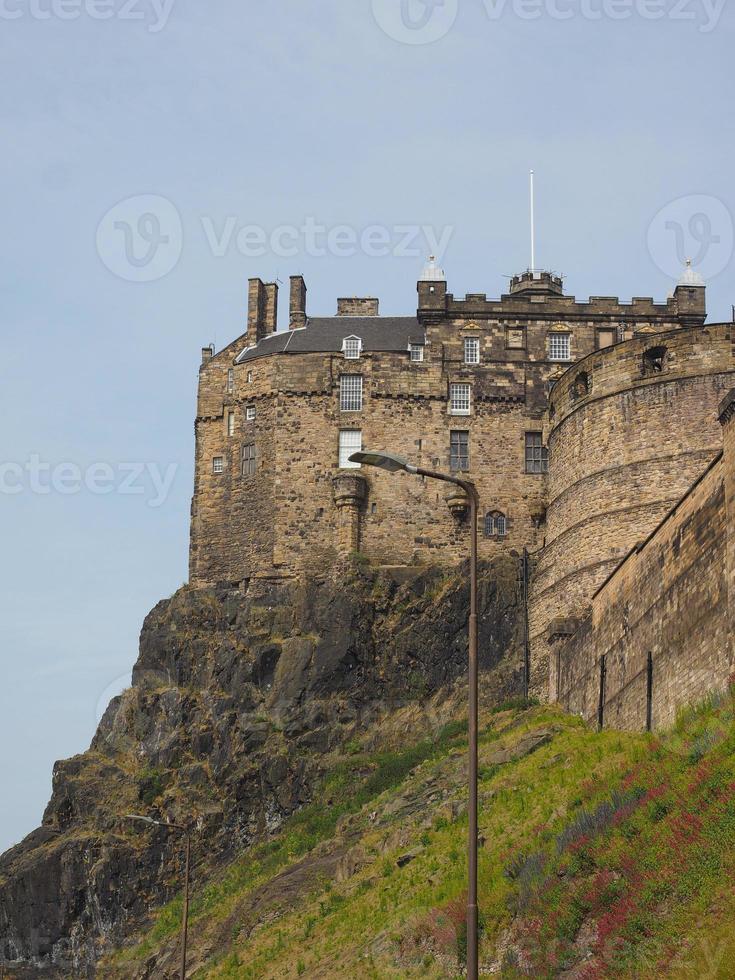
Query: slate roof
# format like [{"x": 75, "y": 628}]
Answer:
[{"x": 325, "y": 335}]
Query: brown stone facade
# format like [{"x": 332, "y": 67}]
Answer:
[
  {"x": 620, "y": 397},
  {"x": 281, "y": 513},
  {"x": 627, "y": 439},
  {"x": 658, "y": 633}
]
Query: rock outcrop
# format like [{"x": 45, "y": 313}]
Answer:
[{"x": 237, "y": 698}]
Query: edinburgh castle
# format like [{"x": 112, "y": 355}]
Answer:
[{"x": 599, "y": 434}]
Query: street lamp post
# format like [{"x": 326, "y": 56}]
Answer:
[
  {"x": 395, "y": 464},
  {"x": 186, "y": 831}
]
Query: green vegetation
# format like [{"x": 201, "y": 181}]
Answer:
[{"x": 610, "y": 852}]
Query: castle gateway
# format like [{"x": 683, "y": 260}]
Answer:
[{"x": 578, "y": 475}]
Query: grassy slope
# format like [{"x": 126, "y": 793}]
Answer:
[{"x": 608, "y": 853}]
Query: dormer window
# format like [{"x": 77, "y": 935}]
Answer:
[
  {"x": 417, "y": 352},
  {"x": 352, "y": 348}
]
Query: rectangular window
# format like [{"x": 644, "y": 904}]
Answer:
[
  {"x": 606, "y": 338},
  {"x": 472, "y": 350},
  {"x": 250, "y": 377},
  {"x": 248, "y": 460},
  {"x": 230, "y": 423},
  {"x": 352, "y": 347},
  {"x": 537, "y": 455},
  {"x": 218, "y": 465},
  {"x": 250, "y": 413},
  {"x": 560, "y": 347},
  {"x": 231, "y": 380},
  {"x": 350, "y": 441},
  {"x": 459, "y": 399},
  {"x": 350, "y": 393},
  {"x": 459, "y": 451},
  {"x": 417, "y": 352}
]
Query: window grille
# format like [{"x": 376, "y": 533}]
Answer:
[
  {"x": 560, "y": 347},
  {"x": 472, "y": 350},
  {"x": 352, "y": 347},
  {"x": 537, "y": 455},
  {"x": 496, "y": 524},
  {"x": 350, "y": 393},
  {"x": 459, "y": 451},
  {"x": 459, "y": 399},
  {"x": 218, "y": 465}
]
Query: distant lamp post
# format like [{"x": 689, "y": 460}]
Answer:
[
  {"x": 186, "y": 831},
  {"x": 396, "y": 464}
]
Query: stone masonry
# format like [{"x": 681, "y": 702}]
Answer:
[{"x": 581, "y": 423}]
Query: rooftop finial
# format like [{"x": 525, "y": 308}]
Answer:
[
  {"x": 432, "y": 272},
  {"x": 690, "y": 277}
]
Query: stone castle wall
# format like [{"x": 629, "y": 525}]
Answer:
[
  {"x": 629, "y": 428},
  {"x": 627, "y": 440},
  {"x": 658, "y": 634}
]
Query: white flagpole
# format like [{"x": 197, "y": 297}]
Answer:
[{"x": 533, "y": 229}]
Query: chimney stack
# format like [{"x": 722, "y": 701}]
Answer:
[
  {"x": 262, "y": 309},
  {"x": 297, "y": 309},
  {"x": 271, "y": 307},
  {"x": 357, "y": 306}
]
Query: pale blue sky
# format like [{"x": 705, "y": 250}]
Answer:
[{"x": 271, "y": 115}]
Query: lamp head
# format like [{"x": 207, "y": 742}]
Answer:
[
  {"x": 141, "y": 819},
  {"x": 385, "y": 461}
]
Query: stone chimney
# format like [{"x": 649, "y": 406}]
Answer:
[
  {"x": 297, "y": 306},
  {"x": 262, "y": 309},
  {"x": 271, "y": 307},
  {"x": 357, "y": 306}
]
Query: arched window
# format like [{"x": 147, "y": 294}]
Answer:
[
  {"x": 654, "y": 360},
  {"x": 496, "y": 524}
]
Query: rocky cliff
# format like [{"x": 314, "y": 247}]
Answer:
[{"x": 238, "y": 698}]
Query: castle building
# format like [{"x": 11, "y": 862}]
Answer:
[{"x": 581, "y": 424}]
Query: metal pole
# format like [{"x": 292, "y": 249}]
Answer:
[
  {"x": 185, "y": 917},
  {"x": 472, "y": 931},
  {"x": 472, "y": 938}
]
